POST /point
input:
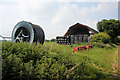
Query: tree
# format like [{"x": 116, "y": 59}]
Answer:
[
  {"x": 111, "y": 27},
  {"x": 53, "y": 40}
]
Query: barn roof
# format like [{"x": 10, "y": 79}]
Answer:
[{"x": 80, "y": 29}]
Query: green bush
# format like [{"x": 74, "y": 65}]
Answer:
[
  {"x": 29, "y": 61},
  {"x": 101, "y": 38},
  {"x": 48, "y": 61}
]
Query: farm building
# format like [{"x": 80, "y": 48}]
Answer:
[{"x": 76, "y": 34}]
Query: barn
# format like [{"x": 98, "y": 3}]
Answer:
[{"x": 75, "y": 34}]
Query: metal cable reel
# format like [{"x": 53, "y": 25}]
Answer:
[{"x": 27, "y": 32}]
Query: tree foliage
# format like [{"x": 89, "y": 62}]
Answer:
[
  {"x": 111, "y": 27},
  {"x": 101, "y": 38},
  {"x": 53, "y": 40}
]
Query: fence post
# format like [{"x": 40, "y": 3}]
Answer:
[{"x": 119, "y": 60}]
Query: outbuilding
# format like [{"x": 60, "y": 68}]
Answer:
[{"x": 75, "y": 34}]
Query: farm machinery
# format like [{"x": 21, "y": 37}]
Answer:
[{"x": 81, "y": 48}]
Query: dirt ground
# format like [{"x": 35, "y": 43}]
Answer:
[{"x": 116, "y": 64}]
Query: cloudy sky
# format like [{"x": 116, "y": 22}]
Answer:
[{"x": 55, "y": 17}]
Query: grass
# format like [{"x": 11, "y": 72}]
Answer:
[
  {"x": 101, "y": 58},
  {"x": 57, "y": 61}
]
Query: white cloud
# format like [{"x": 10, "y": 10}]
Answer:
[
  {"x": 9, "y": 17},
  {"x": 102, "y": 8},
  {"x": 97, "y": 0},
  {"x": 70, "y": 13},
  {"x": 31, "y": 5},
  {"x": 66, "y": 14},
  {"x": 91, "y": 23}
]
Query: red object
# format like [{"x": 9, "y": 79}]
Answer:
[
  {"x": 75, "y": 49},
  {"x": 81, "y": 48}
]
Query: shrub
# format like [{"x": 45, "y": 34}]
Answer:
[
  {"x": 50, "y": 61},
  {"x": 31, "y": 61},
  {"x": 101, "y": 38}
]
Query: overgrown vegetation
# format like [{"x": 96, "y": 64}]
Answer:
[
  {"x": 111, "y": 27},
  {"x": 54, "y": 61},
  {"x": 101, "y": 38}
]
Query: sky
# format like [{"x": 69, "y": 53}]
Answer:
[{"x": 55, "y": 16}]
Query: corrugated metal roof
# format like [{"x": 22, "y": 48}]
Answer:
[{"x": 79, "y": 29}]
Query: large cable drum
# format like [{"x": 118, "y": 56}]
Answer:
[{"x": 27, "y": 32}]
